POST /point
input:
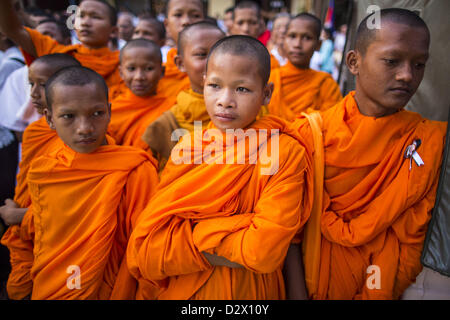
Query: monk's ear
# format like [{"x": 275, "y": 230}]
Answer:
[
  {"x": 267, "y": 92},
  {"x": 49, "y": 119},
  {"x": 179, "y": 63},
  {"x": 352, "y": 59}
]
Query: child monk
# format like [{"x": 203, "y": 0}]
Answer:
[
  {"x": 179, "y": 14},
  {"x": 382, "y": 168},
  {"x": 94, "y": 24},
  {"x": 38, "y": 138},
  {"x": 247, "y": 21},
  {"x": 194, "y": 44},
  {"x": 140, "y": 104},
  {"x": 150, "y": 29},
  {"x": 297, "y": 87},
  {"x": 219, "y": 226},
  {"x": 85, "y": 195}
]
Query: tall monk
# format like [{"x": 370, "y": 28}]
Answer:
[
  {"x": 247, "y": 21},
  {"x": 140, "y": 103},
  {"x": 220, "y": 224},
  {"x": 297, "y": 87},
  {"x": 94, "y": 24},
  {"x": 194, "y": 44},
  {"x": 381, "y": 169},
  {"x": 85, "y": 194},
  {"x": 179, "y": 14}
]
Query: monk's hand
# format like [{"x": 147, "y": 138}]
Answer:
[
  {"x": 11, "y": 213},
  {"x": 216, "y": 260}
]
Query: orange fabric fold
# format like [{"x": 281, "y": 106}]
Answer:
[
  {"x": 37, "y": 140},
  {"x": 103, "y": 61},
  {"x": 376, "y": 209},
  {"x": 86, "y": 226},
  {"x": 301, "y": 90},
  {"x": 174, "y": 81},
  {"x": 131, "y": 115},
  {"x": 224, "y": 209}
]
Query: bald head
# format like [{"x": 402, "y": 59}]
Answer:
[
  {"x": 248, "y": 5},
  {"x": 152, "y": 47},
  {"x": 242, "y": 45},
  {"x": 111, "y": 11},
  {"x": 74, "y": 76},
  {"x": 57, "y": 61},
  {"x": 311, "y": 18},
  {"x": 366, "y": 35},
  {"x": 193, "y": 28}
]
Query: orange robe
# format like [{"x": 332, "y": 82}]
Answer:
[
  {"x": 300, "y": 90},
  {"x": 37, "y": 140},
  {"x": 130, "y": 116},
  {"x": 83, "y": 209},
  {"x": 103, "y": 61},
  {"x": 174, "y": 81},
  {"x": 232, "y": 210},
  {"x": 376, "y": 210}
]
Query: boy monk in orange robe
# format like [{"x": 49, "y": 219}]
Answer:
[
  {"x": 382, "y": 168},
  {"x": 150, "y": 29},
  {"x": 85, "y": 196},
  {"x": 297, "y": 88},
  {"x": 246, "y": 21},
  {"x": 223, "y": 217},
  {"x": 179, "y": 14},
  {"x": 94, "y": 24},
  {"x": 140, "y": 103},
  {"x": 194, "y": 44}
]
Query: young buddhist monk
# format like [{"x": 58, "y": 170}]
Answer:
[
  {"x": 140, "y": 104},
  {"x": 297, "y": 87},
  {"x": 94, "y": 24},
  {"x": 221, "y": 231},
  {"x": 77, "y": 238},
  {"x": 38, "y": 138},
  {"x": 179, "y": 14},
  {"x": 381, "y": 169},
  {"x": 194, "y": 44},
  {"x": 150, "y": 29},
  {"x": 247, "y": 21}
]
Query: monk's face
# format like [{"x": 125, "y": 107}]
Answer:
[
  {"x": 246, "y": 22},
  {"x": 300, "y": 42},
  {"x": 93, "y": 24},
  {"x": 181, "y": 13},
  {"x": 147, "y": 30},
  {"x": 279, "y": 30},
  {"x": 51, "y": 29},
  {"x": 80, "y": 116},
  {"x": 195, "y": 52},
  {"x": 234, "y": 91},
  {"x": 141, "y": 70},
  {"x": 391, "y": 70},
  {"x": 125, "y": 27},
  {"x": 38, "y": 74}
]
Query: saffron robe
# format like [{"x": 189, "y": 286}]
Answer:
[
  {"x": 174, "y": 81},
  {"x": 376, "y": 210},
  {"x": 301, "y": 90},
  {"x": 103, "y": 61},
  {"x": 131, "y": 114},
  {"x": 231, "y": 210},
  {"x": 82, "y": 231}
]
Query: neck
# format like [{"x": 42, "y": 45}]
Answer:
[{"x": 370, "y": 108}]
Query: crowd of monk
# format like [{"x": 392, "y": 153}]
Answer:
[{"x": 98, "y": 191}]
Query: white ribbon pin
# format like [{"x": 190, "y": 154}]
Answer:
[{"x": 411, "y": 153}]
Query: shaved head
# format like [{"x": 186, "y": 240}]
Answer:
[
  {"x": 365, "y": 36},
  {"x": 240, "y": 45},
  {"x": 193, "y": 28},
  {"x": 74, "y": 76},
  {"x": 112, "y": 12},
  {"x": 142, "y": 43},
  {"x": 58, "y": 61},
  {"x": 312, "y": 18},
  {"x": 248, "y": 5}
]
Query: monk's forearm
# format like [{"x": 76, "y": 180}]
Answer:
[
  {"x": 294, "y": 275},
  {"x": 216, "y": 260},
  {"x": 12, "y": 28}
]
